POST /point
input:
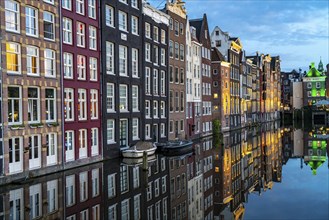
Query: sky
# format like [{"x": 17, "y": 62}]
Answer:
[{"x": 296, "y": 30}]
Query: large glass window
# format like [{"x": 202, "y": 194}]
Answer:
[
  {"x": 110, "y": 100},
  {"x": 134, "y": 25},
  {"x": 122, "y": 21},
  {"x": 32, "y": 60},
  {"x": 48, "y": 25},
  {"x": 68, "y": 104},
  {"x": 110, "y": 131},
  {"x": 82, "y": 104},
  {"x": 31, "y": 21},
  {"x": 134, "y": 62},
  {"x": 13, "y": 57},
  {"x": 109, "y": 16},
  {"x": 92, "y": 8},
  {"x": 67, "y": 4},
  {"x": 123, "y": 60},
  {"x": 81, "y": 67},
  {"x": 109, "y": 58},
  {"x": 14, "y": 105},
  {"x": 33, "y": 98},
  {"x": 80, "y": 6},
  {"x": 68, "y": 65},
  {"x": 123, "y": 98},
  {"x": 12, "y": 16},
  {"x": 67, "y": 30},
  {"x": 93, "y": 104},
  {"x": 50, "y": 63},
  {"x": 135, "y": 129},
  {"x": 50, "y": 105},
  {"x": 92, "y": 38},
  {"x": 135, "y": 101},
  {"x": 81, "y": 34}
]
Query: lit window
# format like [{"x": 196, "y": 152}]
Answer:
[
  {"x": 31, "y": 21},
  {"x": 81, "y": 67},
  {"x": 81, "y": 34},
  {"x": 32, "y": 60},
  {"x": 14, "y": 105},
  {"x": 93, "y": 104},
  {"x": 13, "y": 57},
  {"x": 48, "y": 25},
  {"x": 12, "y": 16},
  {"x": 33, "y": 98}
]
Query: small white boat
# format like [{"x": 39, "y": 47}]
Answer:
[{"x": 138, "y": 150}]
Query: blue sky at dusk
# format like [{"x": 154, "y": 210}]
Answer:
[{"x": 296, "y": 30}]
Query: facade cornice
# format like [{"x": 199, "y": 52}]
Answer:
[
  {"x": 177, "y": 8},
  {"x": 155, "y": 14}
]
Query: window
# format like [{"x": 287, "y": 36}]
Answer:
[
  {"x": 147, "y": 52},
  {"x": 149, "y": 191},
  {"x": 171, "y": 74},
  {"x": 96, "y": 210},
  {"x": 163, "y": 109},
  {"x": 177, "y": 101},
  {"x": 68, "y": 65},
  {"x": 147, "y": 30},
  {"x": 171, "y": 126},
  {"x": 92, "y": 38},
  {"x": 156, "y": 188},
  {"x": 84, "y": 215},
  {"x": 163, "y": 56},
  {"x": 81, "y": 34},
  {"x": 110, "y": 100},
  {"x": 134, "y": 61},
  {"x": 318, "y": 85},
  {"x": 122, "y": 21},
  {"x": 171, "y": 49},
  {"x": 33, "y": 98},
  {"x": 125, "y": 209},
  {"x": 123, "y": 1},
  {"x": 13, "y": 58},
  {"x": 134, "y": 25},
  {"x": 163, "y": 36},
  {"x": 93, "y": 104},
  {"x": 147, "y": 131},
  {"x": 134, "y": 3},
  {"x": 93, "y": 68},
  {"x": 147, "y": 80},
  {"x": 32, "y": 61},
  {"x": 156, "y": 34},
  {"x": 176, "y": 51},
  {"x": 163, "y": 130},
  {"x": 31, "y": 21},
  {"x": 82, "y": 104},
  {"x": 109, "y": 58},
  {"x": 70, "y": 190},
  {"x": 124, "y": 178},
  {"x": 14, "y": 105},
  {"x": 123, "y": 60},
  {"x": 182, "y": 76},
  {"x": 68, "y": 104},
  {"x": 112, "y": 212},
  {"x": 50, "y": 63},
  {"x": 156, "y": 55},
  {"x": 94, "y": 141},
  {"x": 109, "y": 16},
  {"x": 135, "y": 101},
  {"x": 52, "y": 196},
  {"x": 147, "y": 109},
  {"x": 95, "y": 182},
  {"x": 48, "y": 25},
  {"x": 81, "y": 62},
  {"x": 155, "y": 109},
  {"x": 181, "y": 28},
  {"x": 171, "y": 101},
  {"x": 171, "y": 24},
  {"x": 92, "y": 8},
  {"x": 181, "y": 53},
  {"x": 176, "y": 28},
  {"x": 135, "y": 129},
  {"x": 67, "y": 4},
  {"x": 82, "y": 145},
  {"x": 155, "y": 82},
  {"x": 12, "y": 16},
  {"x": 123, "y": 98},
  {"x": 67, "y": 31},
  {"x": 309, "y": 85},
  {"x": 176, "y": 75},
  {"x": 163, "y": 83},
  {"x": 51, "y": 140},
  {"x": 137, "y": 203},
  {"x": 110, "y": 131},
  {"x": 80, "y": 6},
  {"x": 50, "y": 105}
]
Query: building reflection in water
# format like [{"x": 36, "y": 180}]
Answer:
[{"x": 212, "y": 182}]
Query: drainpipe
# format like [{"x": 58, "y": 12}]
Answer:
[{"x": 1, "y": 119}]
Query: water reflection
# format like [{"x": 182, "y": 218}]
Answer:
[{"x": 213, "y": 182}]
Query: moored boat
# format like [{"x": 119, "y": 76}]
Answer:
[
  {"x": 175, "y": 147},
  {"x": 138, "y": 150}
]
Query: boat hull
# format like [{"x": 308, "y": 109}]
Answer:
[{"x": 131, "y": 153}]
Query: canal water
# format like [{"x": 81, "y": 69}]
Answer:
[{"x": 266, "y": 172}]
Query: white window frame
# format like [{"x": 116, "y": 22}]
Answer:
[
  {"x": 163, "y": 130},
  {"x": 134, "y": 62},
  {"x": 134, "y": 25},
  {"x": 29, "y": 18},
  {"x": 163, "y": 109},
  {"x": 123, "y": 58},
  {"x": 163, "y": 36},
  {"x": 92, "y": 37},
  {"x": 147, "y": 30},
  {"x": 147, "y": 109},
  {"x": 93, "y": 64},
  {"x": 11, "y": 105},
  {"x": 110, "y": 131},
  {"x": 109, "y": 58},
  {"x": 13, "y": 49},
  {"x": 93, "y": 104},
  {"x": 123, "y": 21},
  {"x": 67, "y": 31},
  {"x": 67, "y": 4},
  {"x": 135, "y": 98},
  {"x": 80, "y": 7},
  {"x": 155, "y": 109},
  {"x": 12, "y": 16},
  {"x": 31, "y": 54},
  {"x": 110, "y": 98},
  {"x": 50, "y": 63},
  {"x": 147, "y": 131},
  {"x": 163, "y": 83},
  {"x": 147, "y": 52},
  {"x": 155, "y": 82},
  {"x": 81, "y": 34},
  {"x": 92, "y": 9},
  {"x": 163, "y": 57},
  {"x": 134, "y": 4},
  {"x": 51, "y": 20},
  {"x": 135, "y": 131},
  {"x": 123, "y": 98},
  {"x": 32, "y": 101},
  {"x": 147, "y": 81},
  {"x": 82, "y": 104},
  {"x": 94, "y": 142},
  {"x": 83, "y": 145},
  {"x": 109, "y": 16},
  {"x": 81, "y": 67},
  {"x": 68, "y": 104},
  {"x": 68, "y": 65},
  {"x": 51, "y": 101}
]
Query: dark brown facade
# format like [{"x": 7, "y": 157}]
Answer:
[{"x": 177, "y": 42}]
